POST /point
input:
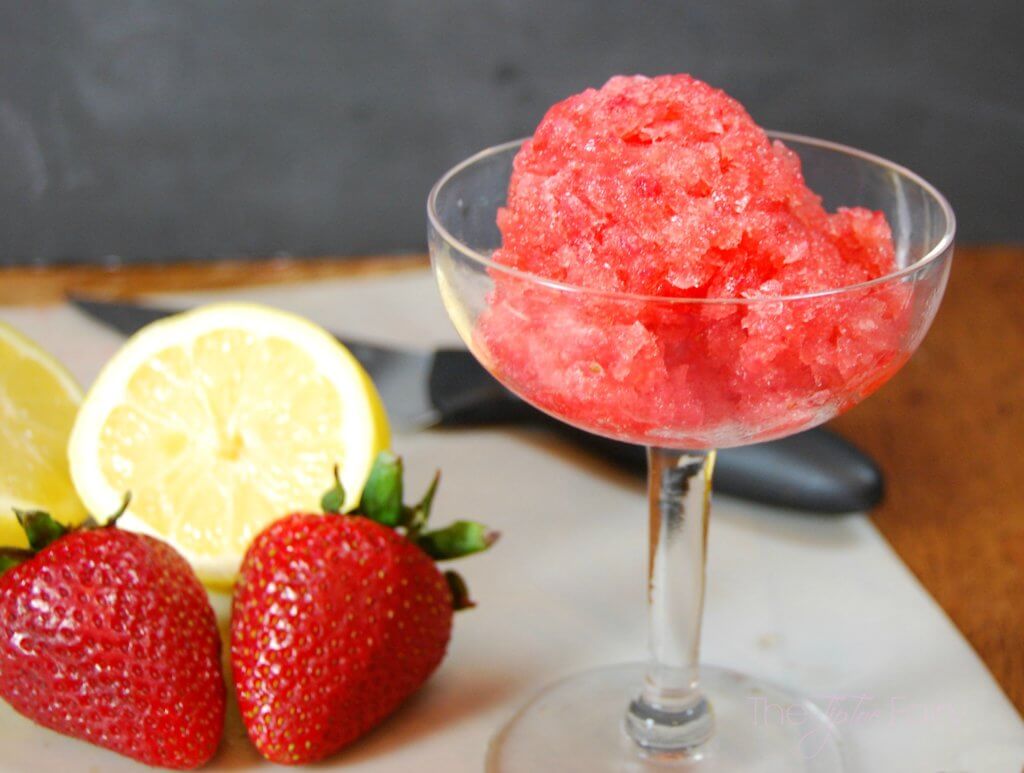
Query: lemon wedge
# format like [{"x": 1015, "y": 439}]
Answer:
[
  {"x": 219, "y": 421},
  {"x": 38, "y": 402}
]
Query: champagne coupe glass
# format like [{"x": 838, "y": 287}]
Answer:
[{"x": 684, "y": 376}]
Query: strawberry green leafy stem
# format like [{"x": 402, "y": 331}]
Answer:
[
  {"x": 415, "y": 518},
  {"x": 460, "y": 539},
  {"x": 382, "y": 502},
  {"x": 92, "y": 523},
  {"x": 334, "y": 499},
  {"x": 382, "y": 495},
  {"x": 11, "y": 557},
  {"x": 42, "y": 530},
  {"x": 459, "y": 591}
]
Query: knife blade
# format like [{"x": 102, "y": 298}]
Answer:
[{"x": 815, "y": 471}]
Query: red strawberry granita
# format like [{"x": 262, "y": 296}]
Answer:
[{"x": 631, "y": 199}]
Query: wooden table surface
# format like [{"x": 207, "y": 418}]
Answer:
[{"x": 948, "y": 430}]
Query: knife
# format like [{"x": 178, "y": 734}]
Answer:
[{"x": 815, "y": 471}]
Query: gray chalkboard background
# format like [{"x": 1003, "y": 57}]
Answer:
[{"x": 203, "y": 128}]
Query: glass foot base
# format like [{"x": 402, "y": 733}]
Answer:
[{"x": 577, "y": 726}]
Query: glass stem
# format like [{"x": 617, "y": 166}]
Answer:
[{"x": 670, "y": 714}]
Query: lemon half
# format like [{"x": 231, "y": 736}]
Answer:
[
  {"x": 219, "y": 421},
  {"x": 38, "y": 401}
]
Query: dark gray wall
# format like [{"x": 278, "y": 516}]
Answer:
[{"x": 194, "y": 128}]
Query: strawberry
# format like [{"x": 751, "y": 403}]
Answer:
[
  {"x": 337, "y": 619},
  {"x": 108, "y": 636}
]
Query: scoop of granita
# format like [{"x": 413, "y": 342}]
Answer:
[
  {"x": 666, "y": 186},
  {"x": 654, "y": 190}
]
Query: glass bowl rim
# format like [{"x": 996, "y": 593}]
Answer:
[{"x": 939, "y": 249}]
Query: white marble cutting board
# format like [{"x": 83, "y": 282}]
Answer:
[{"x": 818, "y": 603}]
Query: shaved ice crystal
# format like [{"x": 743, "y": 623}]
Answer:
[{"x": 652, "y": 189}]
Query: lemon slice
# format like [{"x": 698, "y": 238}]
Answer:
[
  {"x": 219, "y": 421},
  {"x": 38, "y": 402}
]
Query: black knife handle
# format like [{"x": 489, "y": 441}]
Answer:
[
  {"x": 816, "y": 471},
  {"x": 464, "y": 393}
]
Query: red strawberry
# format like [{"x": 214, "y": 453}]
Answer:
[
  {"x": 337, "y": 619},
  {"x": 108, "y": 636}
]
